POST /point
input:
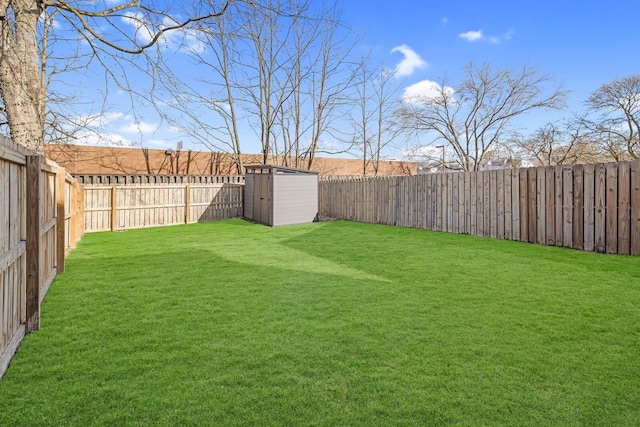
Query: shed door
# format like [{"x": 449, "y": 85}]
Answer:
[{"x": 261, "y": 198}]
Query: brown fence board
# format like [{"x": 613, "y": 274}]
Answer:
[
  {"x": 541, "y": 197},
  {"x": 578, "y": 207},
  {"x": 635, "y": 208},
  {"x": 439, "y": 202},
  {"x": 612, "y": 209},
  {"x": 420, "y": 195},
  {"x": 558, "y": 205},
  {"x": 600, "y": 207},
  {"x": 463, "y": 191},
  {"x": 532, "y": 205},
  {"x": 500, "y": 203},
  {"x": 455, "y": 181},
  {"x": 589, "y": 208},
  {"x": 508, "y": 205},
  {"x": 567, "y": 206},
  {"x": 493, "y": 204},
  {"x": 624, "y": 208},
  {"x": 34, "y": 265},
  {"x": 429, "y": 202},
  {"x": 550, "y": 218},
  {"x": 449, "y": 203},
  {"x": 479, "y": 203},
  {"x": 486, "y": 203},
  {"x": 524, "y": 205},
  {"x": 515, "y": 203}
]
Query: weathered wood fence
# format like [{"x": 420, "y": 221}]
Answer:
[
  {"x": 122, "y": 207},
  {"x": 40, "y": 212},
  {"x": 587, "y": 207}
]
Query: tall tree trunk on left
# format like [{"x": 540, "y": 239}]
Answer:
[{"x": 21, "y": 86}]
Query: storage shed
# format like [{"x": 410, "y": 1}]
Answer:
[{"x": 277, "y": 195}]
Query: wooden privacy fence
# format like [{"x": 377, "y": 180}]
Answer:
[
  {"x": 40, "y": 208},
  {"x": 587, "y": 207},
  {"x": 122, "y": 207}
]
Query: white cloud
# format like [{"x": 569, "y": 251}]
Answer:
[
  {"x": 508, "y": 35},
  {"x": 444, "y": 20},
  {"x": 471, "y": 36},
  {"x": 328, "y": 146},
  {"x": 423, "y": 151},
  {"x": 138, "y": 127},
  {"x": 95, "y": 137},
  {"x": 136, "y": 20},
  {"x": 410, "y": 63},
  {"x": 99, "y": 120},
  {"x": 425, "y": 90},
  {"x": 112, "y": 128},
  {"x": 183, "y": 39},
  {"x": 191, "y": 42}
]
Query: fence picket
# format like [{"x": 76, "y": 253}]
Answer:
[
  {"x": 624, "y": 208},
  {"x": 600, "y": 207},
  {"x": 500, "y": 203},
  {"x": 550, "y": 196},
  {"x": 635, "y": 207},
  {"x": 515, "y": 204},
  {"x": 578, "y": 207},
  {"x": 541, "y": 197},
  {"x": 589, "y": 208},
  {"x": 612, "y": 208}
]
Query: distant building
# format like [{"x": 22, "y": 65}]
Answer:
[{"x": 97, "y": 160}]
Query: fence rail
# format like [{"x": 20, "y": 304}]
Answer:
[
  {"x": 39, "y": 210},
  {"x": 587, "y": 207},
  {"x": 120, "y": 207}
]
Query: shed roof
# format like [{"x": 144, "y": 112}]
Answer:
[{"x": 275, "y": 169}]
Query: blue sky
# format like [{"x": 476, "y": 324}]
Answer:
[{"x": 583, "y": 44}]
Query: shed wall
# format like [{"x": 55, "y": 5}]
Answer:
[
  {"x": 248, "y": 196},
  {"x": 295, "y": 199}
]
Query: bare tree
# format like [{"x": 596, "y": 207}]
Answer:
[
  {"x": 476, "y": 116},
  {"x": 373, "y": 121},
  {"x": 558, "y": 143},
  {"x": 330, "y": 78},
  {"x": 207, "y": 108},
  {"x": 279, "y": 69},
  {"x": 615, "y": 117},
  {"x": 24, "y": 48}
]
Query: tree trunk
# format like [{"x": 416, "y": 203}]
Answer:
[{"x": 21, "y": 86}]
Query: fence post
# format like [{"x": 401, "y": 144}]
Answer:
[
  {"x": 61, "y": 222},
  {"x": 33, "y": 245}
]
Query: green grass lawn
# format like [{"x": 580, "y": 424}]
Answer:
[{"x": 334, "y": 324}]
